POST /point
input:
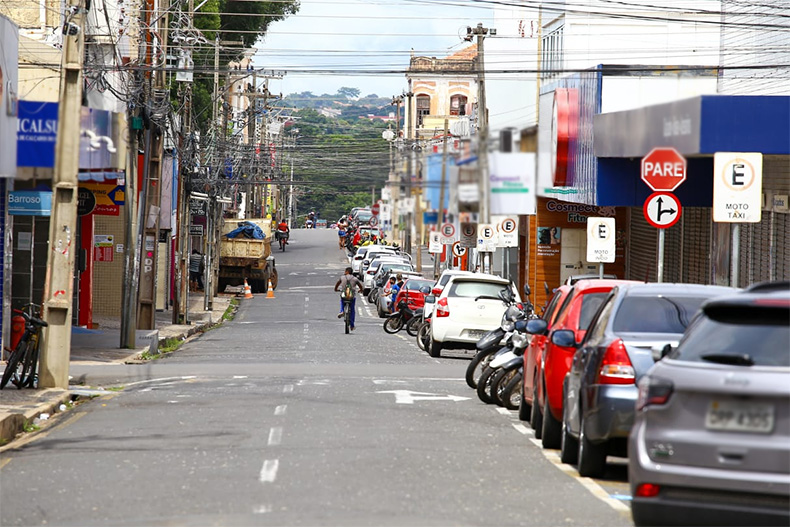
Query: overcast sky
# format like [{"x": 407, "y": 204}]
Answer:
[{"x": 364, "y": 35}]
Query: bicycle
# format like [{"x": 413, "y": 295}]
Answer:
[
  {"x": 23, "y": 361},
  {"x": 347, "y": 314}
]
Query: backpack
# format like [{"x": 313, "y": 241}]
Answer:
[{"x": 348, "y": 291}]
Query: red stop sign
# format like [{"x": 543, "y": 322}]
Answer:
[
  {"x": 663, "y": 169},
  {"x": 375, "y": 209}
]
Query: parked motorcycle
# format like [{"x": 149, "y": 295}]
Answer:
[
  {"x": 397, "y": 320},
  {"x": 503, "y": 368}
]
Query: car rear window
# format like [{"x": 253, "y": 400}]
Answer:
[
  {"x": 415, "y": 284},
  {"x": 765, "y": 340},
  {"x": 590, "y": 304},
  {"x": 656, "y": 314},
  {"x": 475, "y": 289}
]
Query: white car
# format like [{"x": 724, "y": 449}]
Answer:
[
  {"x": 393, "y": 265},
  {"x": 467, "y": 308},
  {"x": 374, "y": 255},
  {"x": 367, "y": 253}
]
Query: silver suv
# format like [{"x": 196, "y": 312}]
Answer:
[{"x": 711, "y": 440}]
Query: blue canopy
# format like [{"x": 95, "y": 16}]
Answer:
[{"x": 247, "y": 229}]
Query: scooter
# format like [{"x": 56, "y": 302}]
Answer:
[{"x": 503, "y": 368}]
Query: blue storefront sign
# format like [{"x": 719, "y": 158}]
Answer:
[
  {"x": 30, "y": 202},
  {"x": 36, "y": 132}
]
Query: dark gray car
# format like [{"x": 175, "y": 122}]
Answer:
[
  {"x": 711, "y": 441},
  {"x": 599, "y": 393}
]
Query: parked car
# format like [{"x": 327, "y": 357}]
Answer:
[
  {"x": 571, "y": 280},
  {"x": 534, "y": 353},
  {"x": 711, "y": 439},
  {"x": 385, "y": 265},
  {"x": 444, "y": 278},
  {"x": 467, "y": 308},
  {"x": 372, "y": 255},
  {"x": 600, "y": 389},
  {"x": 383, "y": 307},
  {"x": 574, "y": 314}
]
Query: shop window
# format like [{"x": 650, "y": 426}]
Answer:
[
  {"x": 458, "y": 105},
  {"x": 423, "y": 108}
]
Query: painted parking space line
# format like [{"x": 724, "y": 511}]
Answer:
[{"x": 269, "y": 471}]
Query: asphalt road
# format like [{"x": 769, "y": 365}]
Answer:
[{"x": 279, "y": 418}]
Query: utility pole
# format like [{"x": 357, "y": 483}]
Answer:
[
  {"x": 152, "y": 172},
  {"x": 131, "y": 258},
  {"x": 410, "y": 171},
  {"x": 59, "y": 281},
  {"x": 440, "y": 221},
  {"x": 482, "y": 125},
  {"x": 395, "y": 179}
]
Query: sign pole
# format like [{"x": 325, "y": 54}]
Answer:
[
  {"x": 661, "y": 236},
  {"x": 600, "y": 270},
  {"x": 736, "y": 254}
]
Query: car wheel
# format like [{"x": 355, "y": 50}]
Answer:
[
  {"x": 592, "y": 457},
  {"x": 536, "y": 419},
  {"x": 524, "y": 408},
  {"x": 434, "y": 348},
  {"x": 551, "y": 427},
  {"x": 569, "y": 445}
]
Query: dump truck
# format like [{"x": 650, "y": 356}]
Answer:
[{"x": 241, "y": 257}]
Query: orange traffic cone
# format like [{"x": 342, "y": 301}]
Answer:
[
  {"x": 270, "y": 294},
  {"x": 247, "y": 289}
]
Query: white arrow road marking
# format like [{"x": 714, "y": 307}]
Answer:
[{"x": 408, "y": 397}]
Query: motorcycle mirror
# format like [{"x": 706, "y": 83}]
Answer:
[
  {"x": 521, "y": 326},
  {"x": 430, "y": 299},
  {"x": 527, "y": 290}
]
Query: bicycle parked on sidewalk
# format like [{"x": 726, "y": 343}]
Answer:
[{"x": 22, "y": 366}]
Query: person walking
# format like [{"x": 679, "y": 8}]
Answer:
[
  {"x": 196, "y": 271},
  {"x": 348, "y": 280}
]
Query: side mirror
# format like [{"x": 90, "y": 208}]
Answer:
[
  {"x": 564, "y": 338},
  {"x": 425, "y": 290},
  {"x": 522, "y": 326},
  {"x": 430, "y": 299},
  {"x": 537, "y": 326},
  {"x": 527, "y": 290},
  {"x": 660, "y": 353}
]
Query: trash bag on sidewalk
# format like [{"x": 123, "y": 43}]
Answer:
[{"x": 247, "y": 229}]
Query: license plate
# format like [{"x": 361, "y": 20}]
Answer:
[
  {"x": 475, "y": 333},
  {"x": 740, "y": 417}
]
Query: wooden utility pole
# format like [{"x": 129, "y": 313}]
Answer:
[
  {"x": 152, "y": 193},
  {"x": 59, "y": 281},
  {"x": 131, "y": 256},
  {"x": 440, "y": 215}
]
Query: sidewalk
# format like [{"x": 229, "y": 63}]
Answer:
[{"x": 19, "y": 407}]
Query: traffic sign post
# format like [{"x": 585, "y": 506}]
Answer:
[
  {"x": 661, "y": 210},
  {"x": 737, "y": 196},
  {"x": 434, "y": 245},
  {"x": 447, "y": 234},
  {"x": 374, "y": 220},
  {"x": 375, "y": 209},
  {"x": 469, "y": 234},
  {"x": 600, "y": 241},
  {"x": 663, "y": 169}
]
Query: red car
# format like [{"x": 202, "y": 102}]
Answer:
[
  {"x": 575, "y": 313},
  {"x": 411, "y": 293},
  {"x": 534, "y": 353}
]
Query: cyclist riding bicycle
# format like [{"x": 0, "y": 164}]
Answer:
[{"x": 346, "y": 285}]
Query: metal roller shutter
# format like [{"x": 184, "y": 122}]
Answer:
[
  {"x": 673, "y": 252},
  {"x": 759, "y": 251},
  {"x": 642, "y": 247},
  {"x": 696, "y": 245},
  {"x": 782, "y": 244}
]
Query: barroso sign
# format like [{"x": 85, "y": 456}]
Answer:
[{"x": 663, "y": 169}]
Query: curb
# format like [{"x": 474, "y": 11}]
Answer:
[{"x": 14, "y": 421}]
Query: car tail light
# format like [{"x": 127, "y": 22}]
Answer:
[
  {"x": 616, "y": 367},
  {"x": 442, "y": 309},
  {"x": 436, "y": 291},
  {"x": 653, "y": 391},
  {"x": 647, "y": 490}
]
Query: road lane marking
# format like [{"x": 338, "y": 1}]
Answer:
[
  {"x": 503, "y": 411},
  {"x": 240, "y": 376},
  {"x": 280, "y": 410},
  {"x": 275, "y": 435},
  {"x": 523, "y": 429},
  {"x": 269, "y": 471},
  {"x": 288, "y": 388},
  {"x": 262, "y": 509}
]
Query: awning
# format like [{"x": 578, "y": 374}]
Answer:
[{"x": 701, "y": 125}]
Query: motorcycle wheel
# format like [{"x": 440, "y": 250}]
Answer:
[
  {"x": 393, "y": 324},
  {"x": 413, "y": 327},
  {"x": 484, "y": 385},
  {"x": 372, "y": 295},
  {"x": 422, "y": 336},
  {"x": 498, "y": 384},
  {"x": 511, "y": 394},
  {"x": 477, "y": 366}
]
